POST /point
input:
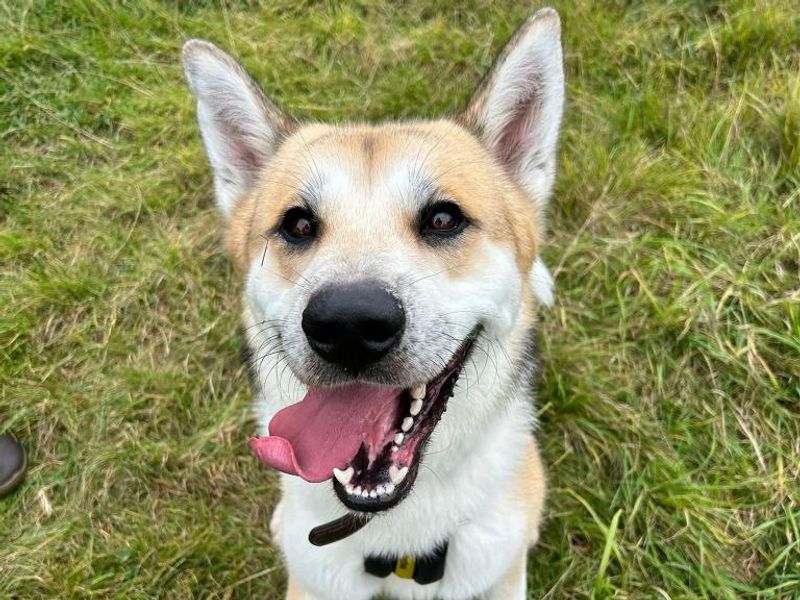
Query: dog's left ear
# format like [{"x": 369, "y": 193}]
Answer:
[{"x": 516, "y": 111}]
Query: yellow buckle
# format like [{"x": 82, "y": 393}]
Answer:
[{"x": 404, "y": 567}]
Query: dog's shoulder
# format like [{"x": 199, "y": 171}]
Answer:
[{"x": 530, "y": 489}]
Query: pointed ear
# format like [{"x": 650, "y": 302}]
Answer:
[
  {"x": 516, "y": 111},
  {"x": 240, "y": 126}
]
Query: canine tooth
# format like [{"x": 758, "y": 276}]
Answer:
[
  {"x": 416, "y": 406},
  {"x": 418, "y": 391},
  {"x": 407, "y": 423},
  {"x": 345, "y": 476},
  {"x": 381, "y": 489},
  {"x": 349, "y": 489},
  {"x": 398, "y": 439},
  {"x": 373, "y": 494},
  {"x": 397, "y": 475}
]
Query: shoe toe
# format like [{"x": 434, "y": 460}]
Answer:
[{"x": 12, "y": 464}]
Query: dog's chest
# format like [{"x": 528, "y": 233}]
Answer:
[
  {"x": 474, "y": 510},
  {"x": 478, "y": 556}
]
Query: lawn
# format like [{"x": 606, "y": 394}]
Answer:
[{"x": 669, "y": 389}]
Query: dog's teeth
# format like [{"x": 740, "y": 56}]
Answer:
[
  {"x": 381, "y": 490},
  {"x": 398, "y": 439},
  {"x": 416, "y": 406},
  {"x": 349, "y": 489},
  {"x": 345, "y": 476},
  {"x": 418, "y": 391},
  {"x": 397, "y": 475},
  {"x": 364, "y": 494},
  {"x": 407, "y": 423},
  {"x": 373, "y": 494},
  {"x": 388, "y": 488},
  {"x": 395, "y": 449},
  {"x": 357, "y": 491}
]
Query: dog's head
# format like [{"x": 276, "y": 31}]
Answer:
[{"x": 378, "y": 261}]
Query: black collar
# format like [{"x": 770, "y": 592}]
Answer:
[{"x": 423, "y": 569}]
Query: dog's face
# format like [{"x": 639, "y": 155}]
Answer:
[
  {"x": 379, "y": 260},
  {"x": 398, "y": 218}
]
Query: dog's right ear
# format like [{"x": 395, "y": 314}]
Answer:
[{"x": 240, "y": 126}]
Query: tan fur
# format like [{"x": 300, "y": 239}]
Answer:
[
  {"x": 295, "y": 591},
  {"x": 531, "y": 490},
  {"x": 473, "y": 180}
]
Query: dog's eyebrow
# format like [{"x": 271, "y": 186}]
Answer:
[
  {"x": 423, "y": 188},
  {"x": 308, "y": 191},
  {"x": 310, "y": 196}
]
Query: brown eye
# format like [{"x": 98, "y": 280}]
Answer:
[
  {"x": 298, "y": 226},
  {"x": 442, "y": 219}
]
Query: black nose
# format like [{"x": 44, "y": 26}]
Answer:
[{"x": 353, "y": 325}]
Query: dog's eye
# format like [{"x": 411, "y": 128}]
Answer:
[
  {"x": 442, "y": 219},
  {"x": 298, "y": 226}
]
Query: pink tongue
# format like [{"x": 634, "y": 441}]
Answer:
[{"x": 326, "y": 428}]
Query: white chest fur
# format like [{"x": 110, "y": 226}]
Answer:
[{"x": 465, "y": 494}]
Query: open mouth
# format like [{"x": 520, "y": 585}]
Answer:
[{"x": 368, "y": 438}]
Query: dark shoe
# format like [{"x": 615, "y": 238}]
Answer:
[{"x": 12, "y": 464}]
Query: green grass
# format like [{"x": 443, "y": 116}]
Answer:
[{"x": 670, "y": 390}]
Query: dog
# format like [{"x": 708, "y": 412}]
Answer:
[{"x": 391, "y": 280}]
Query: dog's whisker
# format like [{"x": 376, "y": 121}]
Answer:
[{"x": 424, "y": 277}]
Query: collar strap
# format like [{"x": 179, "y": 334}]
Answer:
[{"x": 422, "y": 569}]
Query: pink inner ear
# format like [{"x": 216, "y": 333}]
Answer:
[
  {"x": 242, "y": 153},
  {"x": 519, "y": 131}
]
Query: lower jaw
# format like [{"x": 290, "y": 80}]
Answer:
[
  {"x": 385, "y": 483},
  {"x": 378, "y": 502}
]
